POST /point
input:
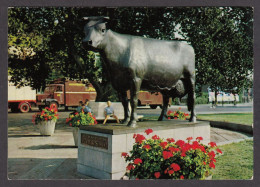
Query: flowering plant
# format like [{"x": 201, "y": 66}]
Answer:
[
  {"x": 77, "y": 119},
  {"x": 46, "y": 114},
  {"x": 177, "y": 115},
  {"x": 156, "y": 158}
]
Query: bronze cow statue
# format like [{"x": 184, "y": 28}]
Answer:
[{"x": 138, "y": 63}]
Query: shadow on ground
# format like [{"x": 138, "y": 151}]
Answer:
[
  {"x": 49, "y": 146},
  {"x": 23, "y": 135},
  {"x": 31, "y": 168}
]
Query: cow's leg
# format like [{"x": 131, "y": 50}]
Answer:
[
  {"x": 124, "y": 101},
  {"x": 135, "y": 88},
  {"x": 163, "y": 115},
  {"x": 191, "y": 99}
]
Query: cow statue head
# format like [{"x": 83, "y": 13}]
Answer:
[{"x": 95, "y": 30}]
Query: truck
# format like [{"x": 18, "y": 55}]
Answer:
[
  {"x": 20, "y": 98},
  {"x": 67, "y": 93},
  {"x": 152, "y": 99}
]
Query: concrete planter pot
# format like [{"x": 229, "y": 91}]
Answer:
[
  {"x": 47, "y": 127},
  {"x": 75, "y": 135},
  {"x": 208, "y": 177}
]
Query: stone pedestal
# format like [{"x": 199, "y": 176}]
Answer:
[{"x": 100, "y": 147}]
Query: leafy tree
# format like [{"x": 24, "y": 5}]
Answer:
[
  {"x": 54, "y": 35},
  {"x": 221, "y": 36},
  {"x": 223, "y": 42}
]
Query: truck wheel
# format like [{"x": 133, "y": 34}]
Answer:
[
  {"x": 153, "y": 106},
  {"x": 54, "y": 105},
  {"x": 24, "y": 107},
  {"x": 40, "y": 108}
]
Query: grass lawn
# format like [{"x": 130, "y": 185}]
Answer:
[
  {"x": 150, "y": 117},
  {"x": 236, "y": 161},
  {"x": 241, "y": 118}
]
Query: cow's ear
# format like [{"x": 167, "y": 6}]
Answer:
[{"x": 107, "y": 22}]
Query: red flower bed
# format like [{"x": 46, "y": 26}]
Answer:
[
  {"x": 46, "y": 114},
  {"x": 156, "y": 158},
  {"x": 177, "y": 115},
  {"x": 78, "y": 119}
]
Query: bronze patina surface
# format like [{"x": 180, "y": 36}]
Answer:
[{"x": 136, "y": 63}]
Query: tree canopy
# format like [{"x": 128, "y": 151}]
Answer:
[{"x": 49, "y": 42}]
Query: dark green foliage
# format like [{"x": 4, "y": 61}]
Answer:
[
  {"x": 202, "y": 99},
  {"x": 78, "y": 119},
  {"x": 221, "y": 36}
]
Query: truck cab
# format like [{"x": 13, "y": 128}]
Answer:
[
  {"x": 53, "y": 94},
  {"x": 65, "y": 93}
]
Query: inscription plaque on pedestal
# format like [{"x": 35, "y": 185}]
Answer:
[{"x": 95, "y": 141}]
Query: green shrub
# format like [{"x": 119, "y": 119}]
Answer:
[
  {"x": 77, "y": 119},
  {"x": 202, "y": 99},
  {"x": 177, "y": 114}
]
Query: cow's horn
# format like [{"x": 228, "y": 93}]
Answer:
[
  {"x": 85, "y": 18},
  {"x": 106, "y": 18}
]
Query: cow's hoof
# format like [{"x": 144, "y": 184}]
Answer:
[
  {"x": 193, "y": 120},
  {"x": 125, "y": 121},
  {"x": 162, "y": 118},
  {"x": 132, "y": 124}
]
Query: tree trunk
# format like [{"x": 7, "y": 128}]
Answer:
[
  {"x": 102, "y": 90},
  {"x": 98, "y": 89},
  {"x": 216, "y": 97},
  {"x": 235, "y": 100}
]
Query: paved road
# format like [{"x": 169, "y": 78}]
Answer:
[{"x": 201, "y": 109}]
